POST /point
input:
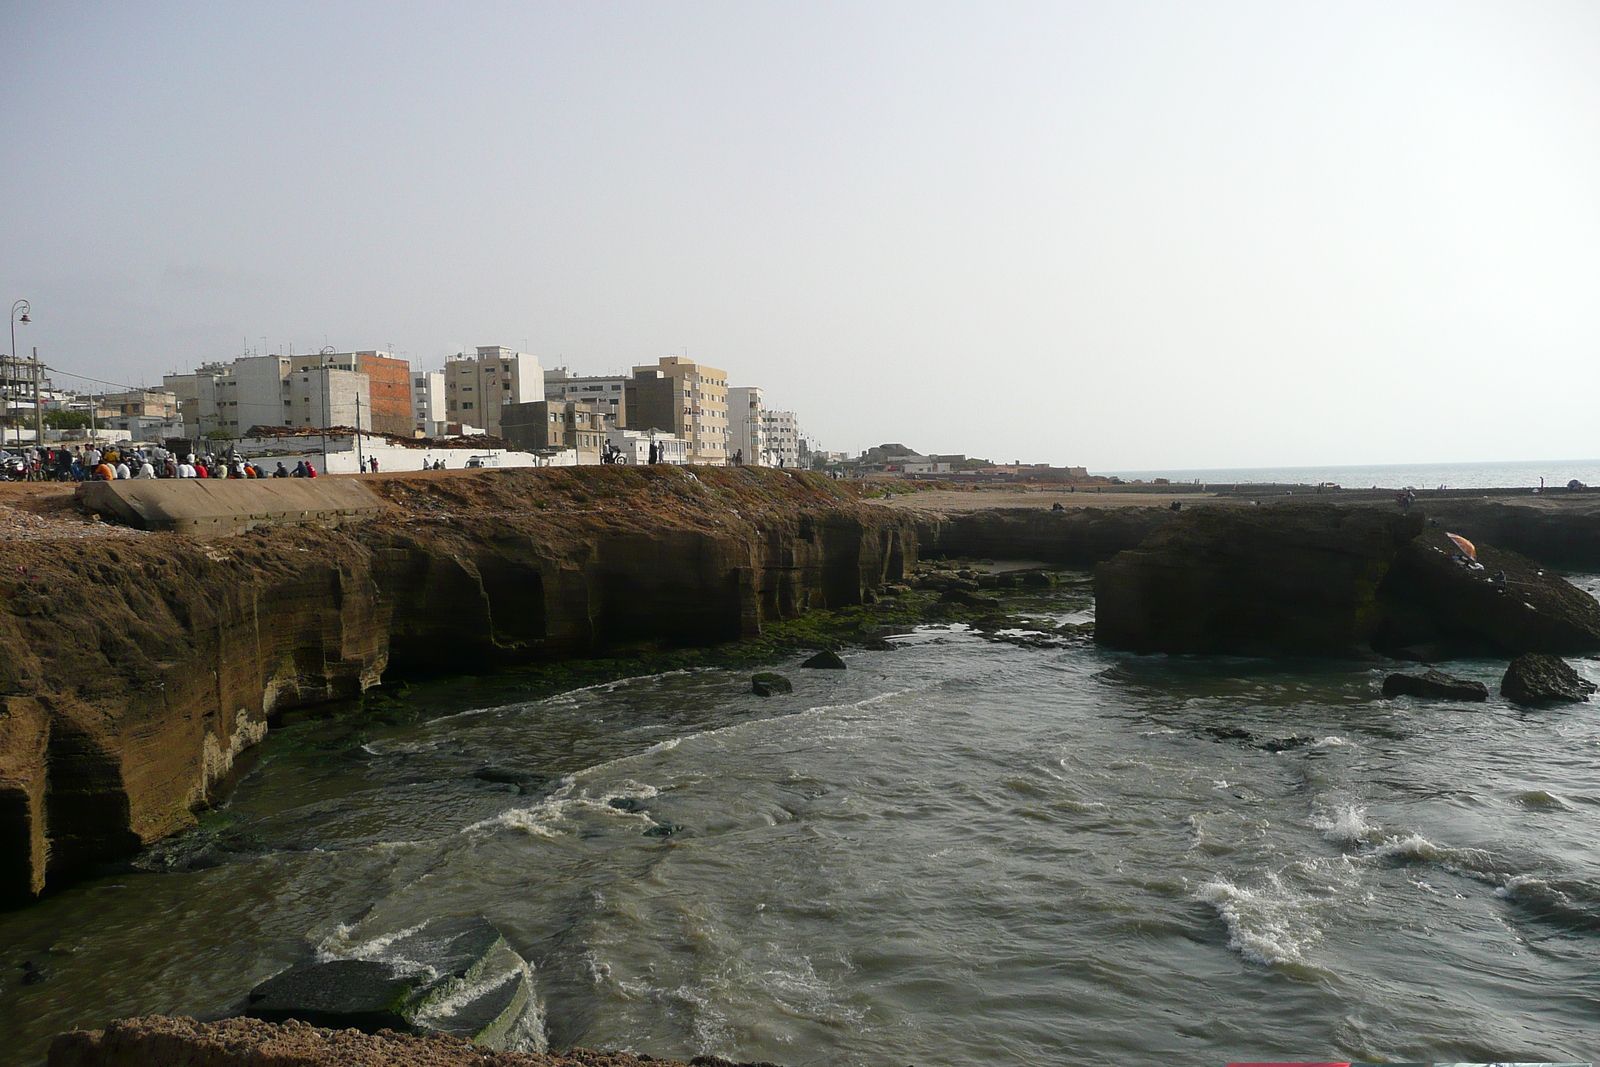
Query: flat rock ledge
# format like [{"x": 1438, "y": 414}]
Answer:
[
  {"x": 162, "y": 1041},
  {"x": 1434, "y": 685}
]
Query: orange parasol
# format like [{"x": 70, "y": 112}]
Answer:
[{"x": 1467, "y": 548}]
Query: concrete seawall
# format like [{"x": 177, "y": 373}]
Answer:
[{"x": 206, "y": 508}]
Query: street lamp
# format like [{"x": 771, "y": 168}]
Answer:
[{"x": 24, "y": 307}]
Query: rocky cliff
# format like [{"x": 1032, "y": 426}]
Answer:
[
  {"x": 1075, "y": 537},
  {"x": 134, "y": 671},
  {"x": 1326, "y": 580}
]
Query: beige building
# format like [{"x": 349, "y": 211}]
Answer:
[
  {"x": 556, "y": 425},
  {"x": 687, "y": 400},
  {"x": 477, "y": 387},
  {"x": 155, "y": 403}
]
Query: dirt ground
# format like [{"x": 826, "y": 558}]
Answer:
[{"x": 945, "y": 502}]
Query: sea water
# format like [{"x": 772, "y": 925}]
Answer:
[
  {"x": 960, "y": 851},
  {"x": 1516, "y": 475}
]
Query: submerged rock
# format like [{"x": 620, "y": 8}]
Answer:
[
  {"x": 1539, "y": 679},
  {"x": 1434, "y": 685},
  {"x": 827, "y": 660},
  {"x": 768, "y": 684},
  {"x": 449, "y": 976}
]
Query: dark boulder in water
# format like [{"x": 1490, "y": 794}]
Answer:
[
  {"x": 1434, "y": 685},
  {"x": 969, "y": 599},
  {"x": 1539, "y": 679},
  {"x": 827, "y": 660},
  {"x": 1324, "y": 580},
  {"x": 768, "y": 684},
  {"x": 449, "y": 976}
]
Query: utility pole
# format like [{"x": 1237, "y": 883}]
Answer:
[
  {"x": 38, "y": 402},
  {"x": 360, "y": 466}
]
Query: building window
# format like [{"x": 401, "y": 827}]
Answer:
[{"x": 467, "y": 406}]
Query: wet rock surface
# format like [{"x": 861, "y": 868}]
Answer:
[
  {"x": 827, "y": 660},
  {"x": 1325, "y": 580},
  {"x": 766, "y": 684},
  {"x": 1279, "y": 581},
  {"x": 1434, "y": 685},
  {"x": 1540, "y": 679},
  {"x": 449, "y": 976}
]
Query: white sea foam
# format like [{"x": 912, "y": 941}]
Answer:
[
  {"x": 1269, "y": 925},
  {"x": 467, "y": 992},
  {"x": 342, "y": 943},
  {"x": 1345, "y": 824}
]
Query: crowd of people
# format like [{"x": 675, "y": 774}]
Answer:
[{"x": 89, "y": 463}]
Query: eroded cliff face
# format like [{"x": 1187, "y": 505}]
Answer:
[
  {"x": 133, "y": 673},
  {"x": 1076, "y": 537}
]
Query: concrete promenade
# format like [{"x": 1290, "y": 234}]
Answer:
[{"x": 206, "y": 507}]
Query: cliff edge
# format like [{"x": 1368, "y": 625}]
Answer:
[{"x": 134, "y": 670}]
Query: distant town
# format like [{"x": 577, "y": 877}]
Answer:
[{"x": 347, "y": 412}]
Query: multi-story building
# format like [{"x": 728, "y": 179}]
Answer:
[
  {"x": 477, "y": 387},
  {"x": 685, "y": 399},
  {"x": 609, "y": 393},
  {"x": 271, "y": 391},
  {"x": 388, "y": 386},
  {"x": 783, "y": 438},
  {"x": 157, "y": 403},
  {"x": 555, "y": 425},
  {"x": 427, "y": 403},
  {"x": 747, "y": 430}
]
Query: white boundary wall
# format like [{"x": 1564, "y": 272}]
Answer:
[{"x": 341, "y": 457}]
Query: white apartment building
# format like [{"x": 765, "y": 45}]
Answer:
[
  {"x": 607, "y": 393},
  {"x": 427, "y": 402},
  {"x": 476, "y": 387},
  {"x": 783, "y": 438},
  {"x": 747, "y": 429},
  {"x": 267, "y": 391}
]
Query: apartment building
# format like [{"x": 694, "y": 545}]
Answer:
[
  {"x": 273, "y": 391},
  {"x": 427, "y": 403},
  {"x": 609, "y": 393},
  {"x": 388, "y": 385},
  {"x": 747, "y": 430},
  {"x": 477, "y": 387},
  {"x": 153, "y": 403},
  {"x": 546, "y": 425},
  {"x": 686, "y": 400},
  {"x": 783, "y": 438}
]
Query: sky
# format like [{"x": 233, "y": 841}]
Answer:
[{"x": 1125, "y": 235}]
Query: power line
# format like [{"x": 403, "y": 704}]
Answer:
[{"x": 97, "y": 381}]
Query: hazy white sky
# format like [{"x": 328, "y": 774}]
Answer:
[{"x": 1127, "y": 235}]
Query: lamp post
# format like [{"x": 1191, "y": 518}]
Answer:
[
  {"x": 24, "y": 307},
  {"x": 325, "y": 386}
]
